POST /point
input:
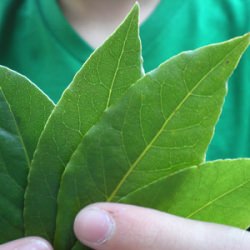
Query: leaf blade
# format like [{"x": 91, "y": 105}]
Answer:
[
  {"x": 100, "y": 83},
  {"x": 30, "y": 106},
  {"x": 20, "y": 102},
  {"x": 214, "y": 191},
  {"x": 242, "y": 45},
  {"x": 14, "y": 165}
]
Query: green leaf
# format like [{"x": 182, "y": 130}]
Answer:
[
  {"x": 30, "y": 106},
  {"x": 103, "y": 79},
  {"x": 24, "y": 110},
  {"x": 164, "y": 123},
  {"x": 14, "y": 164},
  {"x": 216, "y": 191}
]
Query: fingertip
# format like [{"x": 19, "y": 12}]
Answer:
[
  {"x": 40, "y": 243},
  {"x": 94, "y": 226},
  {"x": 28, "y": 243}
]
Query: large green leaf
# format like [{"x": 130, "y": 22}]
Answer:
[
  {"x": 102, "y": 80},
  {"x": 14, "y": 165},
  {"x": 216, "y": 191},
  {"x": 29, "y": 105},
  {"x": 163, "y": 124},
  {"x": 24, "y": 110}
]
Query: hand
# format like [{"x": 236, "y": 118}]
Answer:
[{"x": 107, "y": 226}]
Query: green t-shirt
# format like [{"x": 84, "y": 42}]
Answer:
[{"x": 37, "y": 41}]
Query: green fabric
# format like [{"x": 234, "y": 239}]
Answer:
[{"x": 37, "y": 41}]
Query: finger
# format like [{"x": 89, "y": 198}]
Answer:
[
  {"x": 108, "y": 226},
  {"x": 29, "y": 243}
]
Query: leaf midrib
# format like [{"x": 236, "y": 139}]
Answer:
[
  {"x": 143, "y": 153},
  {"x": 217, "y": 198},
  {"x": 118, "y": 64}
]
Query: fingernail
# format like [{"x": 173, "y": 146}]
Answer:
[{"x": 94, "y": 226}]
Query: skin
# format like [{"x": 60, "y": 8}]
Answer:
[
  {"x": 109, "y": 226},
  {"x": 95, "y": 20}
]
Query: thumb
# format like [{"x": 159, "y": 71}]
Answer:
[
  {"x": 28, "y": 243},
  {"x": 109, "y": 226}
]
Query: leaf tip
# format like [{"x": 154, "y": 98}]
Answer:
[
  {"x": 248, "y": 36},
  {"x": 137, "y": 5},
  {"x": 136, "y": 8}
]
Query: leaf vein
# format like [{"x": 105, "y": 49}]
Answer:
[
  {"x": 143, "y": 153},
  {"x": 217, "y": 198},
  {"x": 118, "y": 64}
]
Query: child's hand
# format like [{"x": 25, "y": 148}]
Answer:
[{"x": 108, "y": 226}]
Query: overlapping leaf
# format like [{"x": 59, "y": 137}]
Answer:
[
  {"x": 103, "y": 79},
  {"x": 216, "y": 191},
  {"x": 163, "y": 124},
  {"x": 145, "y": 148},
  {"x": 24, "y": 111},
  {"x": 14, "y": 164},
  {"x": 30, "y": 106}
]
